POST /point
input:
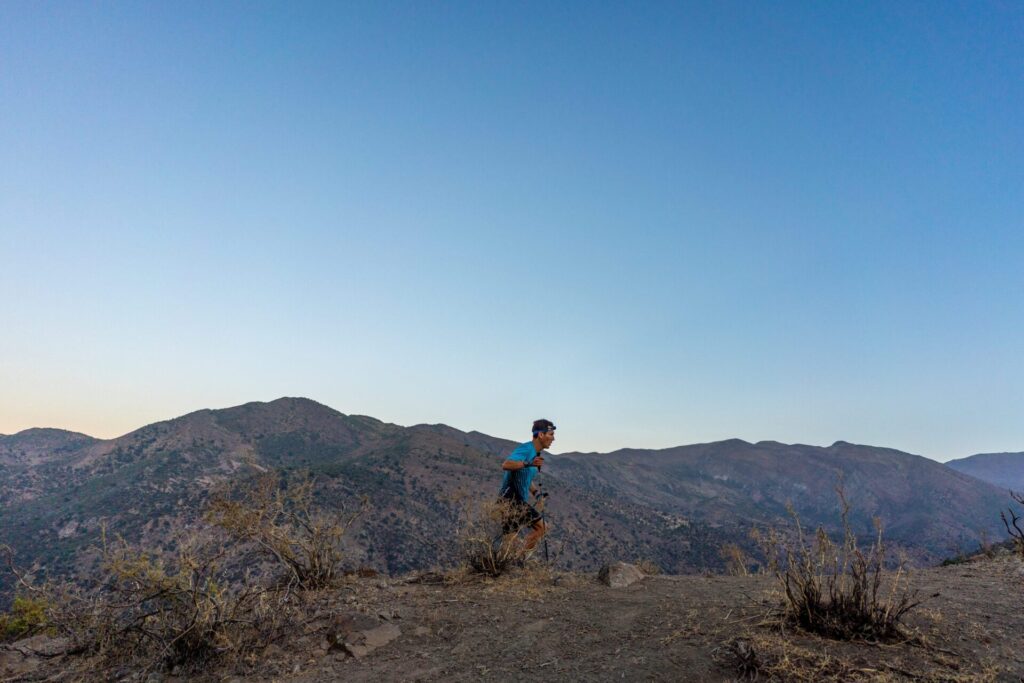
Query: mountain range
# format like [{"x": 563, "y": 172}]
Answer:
[
  {"x": 1005, "y": 470},
  {"x": 675, "y": 507}
]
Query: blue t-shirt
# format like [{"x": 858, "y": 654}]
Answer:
[{"x": 519, "y": 480}]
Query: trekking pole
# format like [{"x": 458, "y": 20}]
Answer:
[{"x": 541, "y": 505}]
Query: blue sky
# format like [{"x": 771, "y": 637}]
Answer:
[{"x": 656, "y": 224}]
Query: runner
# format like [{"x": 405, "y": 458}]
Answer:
[{"x": 521, "y": 466}]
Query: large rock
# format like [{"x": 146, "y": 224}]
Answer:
[{"x": 619, "y": 575}]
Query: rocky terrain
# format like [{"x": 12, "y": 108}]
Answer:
[{"x": 536, "y": 624}]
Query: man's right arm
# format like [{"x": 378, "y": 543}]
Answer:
[{"x": 513, "y": 465}]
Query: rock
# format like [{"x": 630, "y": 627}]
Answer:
[
  {"x": 382, "y": 635},
  {"x": 364, "y": 642},
  {"x": 619, "y": 575},
  {"x": 421, "y": 631},
  {"x": 357, "y": 651},
  {"x": 344, "y": 625}
]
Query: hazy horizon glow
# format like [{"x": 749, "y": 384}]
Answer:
[{"x": 655, "y": 224}]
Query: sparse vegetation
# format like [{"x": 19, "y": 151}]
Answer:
[
  {"x": 485, "y": 547},
  {"x": 1014, "y": 523},
  {"x": 26, "y": 617},
  {"x": 144, "y": 610},
  {"x": 835, "y": 590},
  {"x": 285, "y": 526},
  {"x": 737, "y": 562}
]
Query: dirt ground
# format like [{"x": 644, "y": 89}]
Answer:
[{"x": 535, "y": 625}]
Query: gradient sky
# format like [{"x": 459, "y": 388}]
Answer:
[{"x": 654, "y": 223}]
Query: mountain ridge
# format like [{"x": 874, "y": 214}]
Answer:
[
  {"x": 1005, "y": 470},
  {"x": 674, "y": 506}
]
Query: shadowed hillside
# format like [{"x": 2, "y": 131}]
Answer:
[
  {"x": 925, "y": 508},
  {"x": 1005, "y": 470}
]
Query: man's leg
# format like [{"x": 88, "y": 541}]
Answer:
[{"x": 539, "y": 529}]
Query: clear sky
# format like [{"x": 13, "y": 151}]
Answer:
[{"x": 654, "y": 223}]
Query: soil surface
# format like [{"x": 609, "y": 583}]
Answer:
[{"x": 535, "y": 625}]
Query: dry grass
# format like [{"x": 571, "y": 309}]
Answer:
[
  {"x": 648, "y": 567},
  {"x": 737, "y": 562},
  {"x": 775, "y": 656}
]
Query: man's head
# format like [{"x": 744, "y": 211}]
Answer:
[{"x": 544, "y": 433}]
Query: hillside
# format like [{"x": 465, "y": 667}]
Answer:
[
  {"x": 1005, "y": 470},
  {"x": 922, "y": 504},
  {"x": 675, "y": 507}
]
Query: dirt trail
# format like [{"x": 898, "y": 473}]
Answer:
[{"x": 673, "y": 628}]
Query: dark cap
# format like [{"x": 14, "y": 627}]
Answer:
[{"x": 541, "y": 426}]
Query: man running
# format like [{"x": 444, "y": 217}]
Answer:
[{"x": 520, "y": 468}]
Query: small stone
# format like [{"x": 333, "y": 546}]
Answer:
[{"x": 357, "y": 651}]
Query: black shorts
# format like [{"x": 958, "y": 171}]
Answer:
[{"x": 520, "y": 514}]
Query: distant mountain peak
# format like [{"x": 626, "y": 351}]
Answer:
[{"x": 32, "y": 432}]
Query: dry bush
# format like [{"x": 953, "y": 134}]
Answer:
[
  {"x": 485, "y": 548},
  {"x": 737, "y": 562},
  {"x": 141, "y": 611},
  {"x": 1013, "y": 524},
  {"x": 836, "y": 590},
  {"x": 145, "y": 612},
  {"x": 284, "y": 524}
]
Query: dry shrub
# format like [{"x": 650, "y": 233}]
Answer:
[
  {"x": 143, "y": 611},
  {"x": 1013, "y": 524},
  {"x": 836, "y": 590},
  {"x": 202, "y": 605},
  {"x": 284, "y": 524},
  {"x": 737, "y": 562},
  {"x": 649, "y": 567},
  {"x": 485, "y": 548},
  {"x": 985, "y": 546}
]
